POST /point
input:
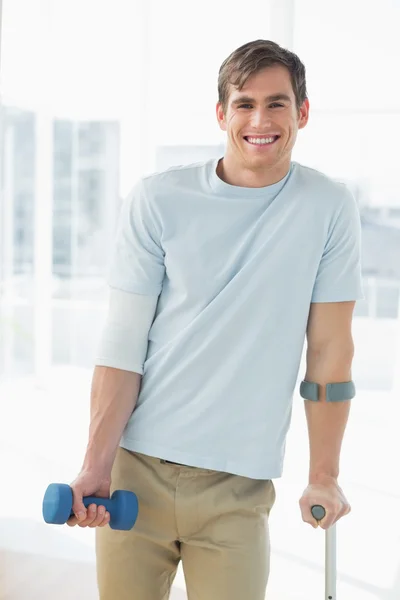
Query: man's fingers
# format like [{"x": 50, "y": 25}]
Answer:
[
  {"x": 313, "y": 523},
  {"x": 106, "y": 520},
  {"x": 90, "y": 517},
  {"x": 101, "y": 520},
  {"x": 97, "y": 516},
  {"x": 326, "y": 523},
  {"x": 345, "y": 511},
  {"x": 307, "y": 517},
  {"x": 100, "y": 517},
  {"x": 333, "y": 517},
  {"x": 97, "y": 519}
]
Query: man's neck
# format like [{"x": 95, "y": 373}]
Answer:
[{"x": 232, "y": 173}]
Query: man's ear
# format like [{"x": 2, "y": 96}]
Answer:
[
  {"x": 221, "y": 116},
  {"x": 304, "y": 113}
]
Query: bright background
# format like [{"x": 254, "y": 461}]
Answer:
[{"x": 95, "y": 94}]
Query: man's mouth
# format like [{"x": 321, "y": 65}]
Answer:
[{"x": 261, "y": 141}]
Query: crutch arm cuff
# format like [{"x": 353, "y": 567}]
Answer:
[{"x": 335, "y": 392}]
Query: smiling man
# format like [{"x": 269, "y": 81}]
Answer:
[
  {"x": 221, "y": 271},
  {"x": 261, "y": 120}
]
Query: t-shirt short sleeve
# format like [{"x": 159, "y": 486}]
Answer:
[
  {"x": 137, "y": 259},
  {"x": 339, "y": 275}
]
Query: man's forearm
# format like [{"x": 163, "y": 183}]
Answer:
[
  {"x": 327, "y": 420},
  {"x": 113, "y": 398}
]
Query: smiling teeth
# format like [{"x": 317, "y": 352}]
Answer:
[{"x": 261, "y": 140}]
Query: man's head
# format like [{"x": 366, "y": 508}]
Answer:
[{"x": 261, "y": 95}]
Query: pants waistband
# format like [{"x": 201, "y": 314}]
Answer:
[{"x": 163, "y": 461}]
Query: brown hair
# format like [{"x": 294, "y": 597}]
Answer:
[{"x": 251, "y": 58}]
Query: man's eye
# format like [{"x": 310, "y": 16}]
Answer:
[{"x": 274, "y": 104}]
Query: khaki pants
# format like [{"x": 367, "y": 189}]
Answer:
[{"x": 215, "y": 522}]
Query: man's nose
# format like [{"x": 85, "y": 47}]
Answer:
[{"x": 260, "y": 118}]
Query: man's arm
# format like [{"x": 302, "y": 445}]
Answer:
[
  {"x": 113, "y": 398},
  {"x": 330, "y": 352},
  {"x": 136, "y": 275}
]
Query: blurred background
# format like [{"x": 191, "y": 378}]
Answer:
[{"x": 94, "y": 95}]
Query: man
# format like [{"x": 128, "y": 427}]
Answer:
[{"x": 221, "y": 270}]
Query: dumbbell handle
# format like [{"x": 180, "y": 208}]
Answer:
[{"x": 106, "y": 502}]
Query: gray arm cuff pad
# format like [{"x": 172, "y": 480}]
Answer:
[
  {"x": 335, "y": 392},
  {"x": 124, "y": 341}
]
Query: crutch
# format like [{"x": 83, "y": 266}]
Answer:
[{"x": 318, "y": 512}]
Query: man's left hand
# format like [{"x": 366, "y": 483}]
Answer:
[{"x": 326, "y": 493}]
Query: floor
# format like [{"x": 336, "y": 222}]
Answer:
[{"x": 38, "y": 561}]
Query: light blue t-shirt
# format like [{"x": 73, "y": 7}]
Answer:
[{"x": 235, "y": 269}]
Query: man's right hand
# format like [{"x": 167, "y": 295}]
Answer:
[{"x": 90, "y": 483}]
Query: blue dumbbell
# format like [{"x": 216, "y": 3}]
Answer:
[{"x": 58, "y": 500}]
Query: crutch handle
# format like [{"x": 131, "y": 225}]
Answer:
[{"x": 318, "y": 512}]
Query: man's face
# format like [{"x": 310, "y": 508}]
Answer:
[{"x": 265, "y": 108}]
